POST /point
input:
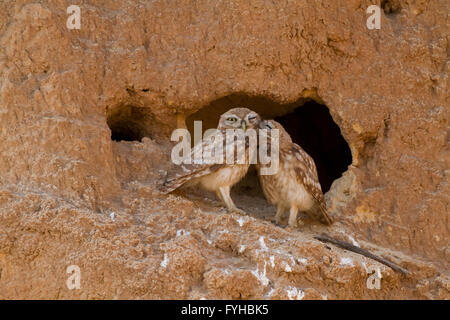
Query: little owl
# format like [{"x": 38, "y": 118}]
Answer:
[
  {"x": 295, "y": 186},
  {"x": 219, "y": 177}
]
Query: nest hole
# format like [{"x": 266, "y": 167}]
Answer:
[
  {"x": 312, "y": 127},
  {"x": 129, "y": 123},
  {"x": 391, "y": 6}
]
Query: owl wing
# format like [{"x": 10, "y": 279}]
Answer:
[
  {"x": 306, "y": 173},
  {"x": 196, "y": 169}
]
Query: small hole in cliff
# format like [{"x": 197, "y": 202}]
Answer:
[
  {"x": 391, "y": 6},
  {"x": 308, "y": 122},
  {"x": 129, "y": 123}
]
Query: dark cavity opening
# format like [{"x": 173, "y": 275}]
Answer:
[
  {"x": 129, "y": 123},
  {"x": 308, "y": 122},
  {"x": 391, "y": 6},
  {"x": 312, "y": 127}
]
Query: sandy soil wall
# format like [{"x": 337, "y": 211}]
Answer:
[{"x": 70, "y": 195}]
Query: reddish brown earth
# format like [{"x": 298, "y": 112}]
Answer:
[{"x": 145, "y": 66}]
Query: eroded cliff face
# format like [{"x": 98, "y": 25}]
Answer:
[{"x": 71, "y": 195}]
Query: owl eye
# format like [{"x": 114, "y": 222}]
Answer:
[
  {"x": 251, "y": 118},
  {"x": 231, "y": 119}
]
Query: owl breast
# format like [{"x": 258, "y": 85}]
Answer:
[
  {"x": 224, "y": 177},
  {"x": 283, "y": 188}
]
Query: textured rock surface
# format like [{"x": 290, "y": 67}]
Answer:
[{"x": 61, "y": 175}]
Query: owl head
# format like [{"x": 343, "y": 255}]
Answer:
[
  {"x": 272, "y": 124},
  {"x": 239, "y": 118}
]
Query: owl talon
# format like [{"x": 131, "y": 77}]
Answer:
[
  {"x": 276, "y": 222},
  {"x": 217, "y": 205},
  {"x": 238, "y": 211},
  {"x": 293, "y": 224},
  {"x": 290, "y": 228}
]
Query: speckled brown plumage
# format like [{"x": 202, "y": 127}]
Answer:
[
  {"x": 218, "y": 177},
  {"x": 295, "y": 186}
]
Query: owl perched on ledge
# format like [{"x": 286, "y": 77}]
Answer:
[
  {"x": 295, "y": 186},
  {"x": 218, "y": 177}
]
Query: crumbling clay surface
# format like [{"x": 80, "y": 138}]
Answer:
[{"x": 72, "y": 195}]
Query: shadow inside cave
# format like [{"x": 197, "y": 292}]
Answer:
[{"x": 129, "y": 123}]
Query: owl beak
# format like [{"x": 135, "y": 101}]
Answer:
[{"x": 243, "y": 125}]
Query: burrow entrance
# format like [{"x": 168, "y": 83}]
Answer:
[
  {"x": 391, "y": 7},
  {"x": 308, "y": 122},
  {"x": 312, "y": 127},
  {"x": 129, "y": 123}
]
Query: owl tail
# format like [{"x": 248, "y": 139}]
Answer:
[
  {"x": 324, "y": 216},
  {"x": 173, "y": 184}
]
